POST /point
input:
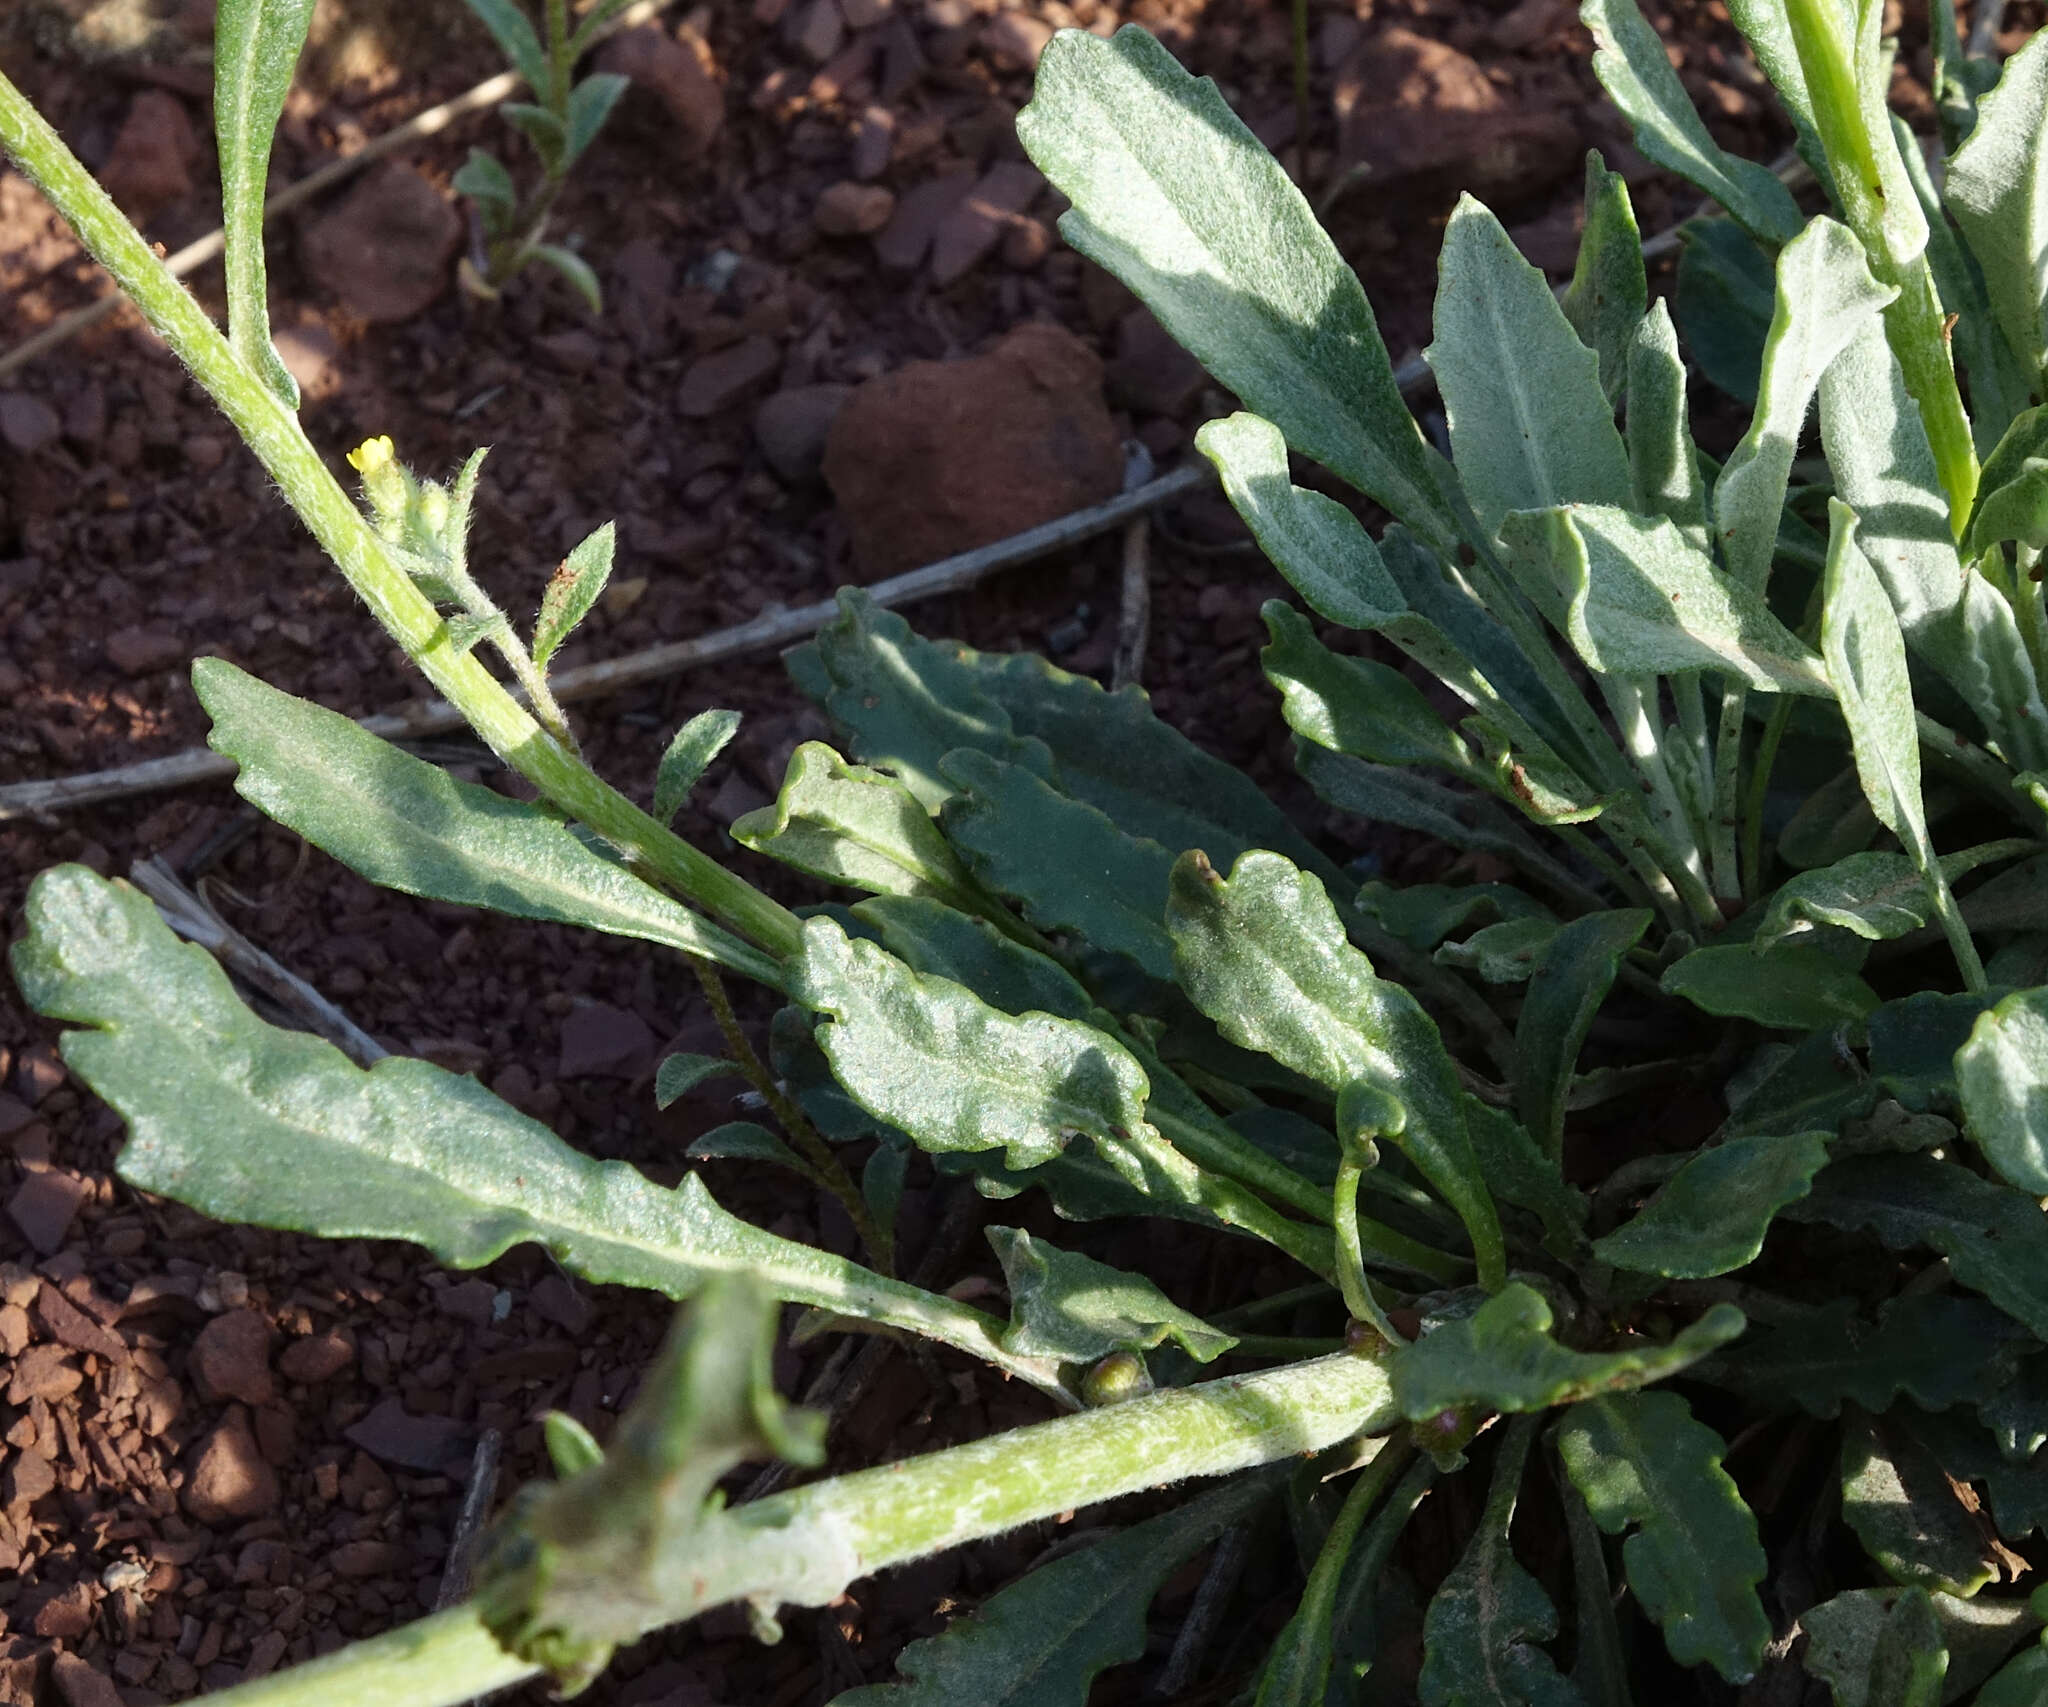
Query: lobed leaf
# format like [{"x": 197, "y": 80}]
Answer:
[
  {"x": 1903, "y": 1507},
  {"x": 1641, "y": 1461},
  {"x": 1173, "y": 195},
  {"x": 1995, "y": 1238},
  {"x": 214, "y": 1098},
  {"x": 1354, "y": 705},
  {"x": 1503, "y": 1358},
  {"x": 1997, "y": 189},
  {"x": 1978, "y": 1633},
  {"x": 571, "y": 591},
  {"x": 1876, "y": 895},
  {"x": 257, "y": 44},
  {"x": 1711, "y": 1216},
  {"x": 1070, "y": 1308},
  {"x": 408, "y": 825},
  {"x": 2002, "y": 1082},
  {"x": 687, "y": 757},
  {"x": 1913, "y": 1044},
  {"x": 1908, "y": 1662}
]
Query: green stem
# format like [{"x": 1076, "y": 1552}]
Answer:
[
  {"x": 436, "y": 1662},
  {"x": 1758, "y": 792},
  {"x": 557, "y": 93},
  {"x": 1735, "y": 874},
  {"x": 274, "y": 434},
  {"x": 1351, "y": 1276}
]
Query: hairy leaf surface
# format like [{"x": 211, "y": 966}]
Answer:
[
  {"x": 1711, "y": 1216},
  {"x": 1900, "y": 1502},
  {"x": 1794, "y": 987},
  {"x": 2002, "y": 1079},
  {"x": 1073, "y": 1309},
  {"x": 1609, "y": 292},
  {"x": 1997, "y": 188}
]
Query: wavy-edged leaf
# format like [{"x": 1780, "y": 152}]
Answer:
[
  {"x": 1825, "y": 296},
  {"x": 1995, "y": 1238},
  {"x": 681, "y": 1073},
  {"x": 2017, "y": 1414},
  {"x": 1908, "y": 1661},
  {"x": 1876, "y": 895},
  {"x": 1353, "y": 705},
  {"x": 1530, "y": 426},
  {"x": 1630, "y": 61},
  {"x": 1576, "y": 970},
  {"x": 1264, "y": 955},
  {"x": 934, "y": 939},
  {"x": 1903, "y": 1507},
  {"x": 1064, "y": 863},
  {"x": 1503, "y": 1358},
  {"x": 1978, "y": 1634},
  {"x": 1423, "y": 914},
  {"x": 1913, "y": 1044},
  {"x": 1505, "y": 953},
  {"x": 1609, "y": 291},
  {"x": 1482, "y": 1634},
  {"x": 1173, "y": 195},
  {"x": 688, "y": 756},
  {"x": 1042, "y": 1640},
  {"x": 214, "y": 1097},
  {"x": 2002, "y": 1081},
  {"x": 2016, "y": 1492},
  {"x": 571, "y": 590},
  {"x": 1711, "y": 1216},
  {"x": 408, "y": 825},
  {"x": 256, "y": 49},
  {"x": 1794, "y": 987},
  {"x": 1663, "y": 462},
  {"x": 1518, "y": 1172},
  {"x": 1939, "y": 1349},
  {"x": 1072, "y": 1309},
  {"x": 2015, "y": 900},
  {"x": 856, "y": 826},
  {"x": 1997, "y": 188},
  {"x": 1642, "y": 1461},
  {"x": 935, "y": 1061}
]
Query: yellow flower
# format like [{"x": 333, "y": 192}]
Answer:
[{"x": 371, "y": 455}]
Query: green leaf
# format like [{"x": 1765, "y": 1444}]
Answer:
[
  {"x": 1725, "y": 294},
  {"x": 2022, "y": 1682},
  {"x": 1167, "y": 185},
  {"x": 1824, "y": 296},
  {"x": 1482, "y": 1632},
  {"x": 485, "y": 181},
  {"x": 681, "y": 1073},
  {"x": 1978, "y": 1633},
  {"x": 576, "y": 271},
  {"x": 689, "y": 755},
  {"x": 1908, "y": 1661},
  {"x": 1073, "y": 1309},
  {"x": 1572, "y": 978},
  {"x": 1866, "y": 662},
  {"x": 1876, "y": 895},
  {"x": 408, "y": 825},
  {"x": 2002, "y": 1080},
  {"x": 1793, "y": 987},
  {"x": 572, "y": 1448},
  {"x": 933, "y": 1060},
  {"x": 882, "y": 1179},
  {"x": 1505, "y": 953},
  {"x": 932, "y": 938},
  {"x": 1664, "y": 464},
  {"x": 1768, "y": 31},
  {"x": 1517, "y": 1172},
  {"x": 1041, "y": 1641},
  {"x": 2015, "y": 900},
  {"x": 2017, "y": 1413},
  {"x": 1711, "y": 1216},
  {"x": 1913, "y": 1044},
  {"x": 1353, "y": 705},
  {"x": 256, "y": 49},
  {"x": 2012, "y": 489},
  {"x": 542, "y": 127},
  {"x": 1631, "y": 64},
  {"x": 1064, "y": 863},
  {"x": 514, "y": 35},
  {"x": 1423, "y": 914},
  {"x": 1997, "y": 188},
  {"x": 1903, "y": 1507},
  {"x": 743, "y": 1141},
  {"x": 214, "y": 1098},
  {"x": 1641, "y": 1461},
  {"x": 590, "y": 104},
  {"x": 1264, "y": 955},
  {"x": 851, "y": 825},
  {"x": 1530, "y": 426},
  {"x": 1939, "y": 1349},
  {"x": 1609, "y": 293},
  {"x": 571, "y": 591},
  {"x": 1503, "y": 1358},
  {"x": 1638, "y": 599},
  {"x": 1995, "y": 1238}
]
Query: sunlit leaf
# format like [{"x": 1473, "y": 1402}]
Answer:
[
  {"x": 1073, "y": 1309},
  {"x": 1903, "y": 1507},
  {"x": 2002, "y": 1079},
  {"x": 1609, "y": 292},
  {"x": 688, "y": 756},
  {"x": 571, "y": 591},
  {"x": 1978, "y": 1634},
  {"x": 1997, "y": 188}
]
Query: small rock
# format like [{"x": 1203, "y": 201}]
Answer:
[
  {"x": 574, "y": 351},
  {"x": 726, "y": 376},
  {"x": 14, "y": 1113},
  {"x": 601, "y": 1041},
  {"x": 817, "y": 30},
  {"x": 39, "y": 1072},
  {"x": 427, "y": 1444},
  {"x": 1014, "y": 40},
  {"x": 30, "y": 1475},
  {"x": 205, "y": 451},
  {"x": 13, "y": 1330},
  {"x": 865, "y": 14},
  {"x": 873, "y": 142},
  {"x": 975, "y": 224},
  {"x": 79, "y": 1684},
  {"x": 555, "y": 1299},
  {"x": 1026, "y": 244},
  {"x": 28, "y": 424},
  {"x": 940, "y": 457},
  {"x": 65, "y": 1616},
  {"x": 42, "y": 1207},
  {"x": 231, "y": 1358},
  {"x": 316, "y": 1358},
  {"x": 848, "y": 209},
  {"x": 150, "y": 166},
  {"x": 229, "y": 1482},
  {"x": 312, "y": 357},
  {"x": 1152, "y": 375},
  {"x": 467, "y": 1301},
  {"x": 85, "y": 416},
  {"x": 792, "y": 426},
  {"x": 366, "y": 1559},
  {"x": 385, "y": 250},
  {"x": 43, "y": 1372},
  {"x": 263, "y": 1562},
  {"x": 141, "y": 651},
  {"x": 902, "y": 244},
  {"x": 677, "y": 72}
]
